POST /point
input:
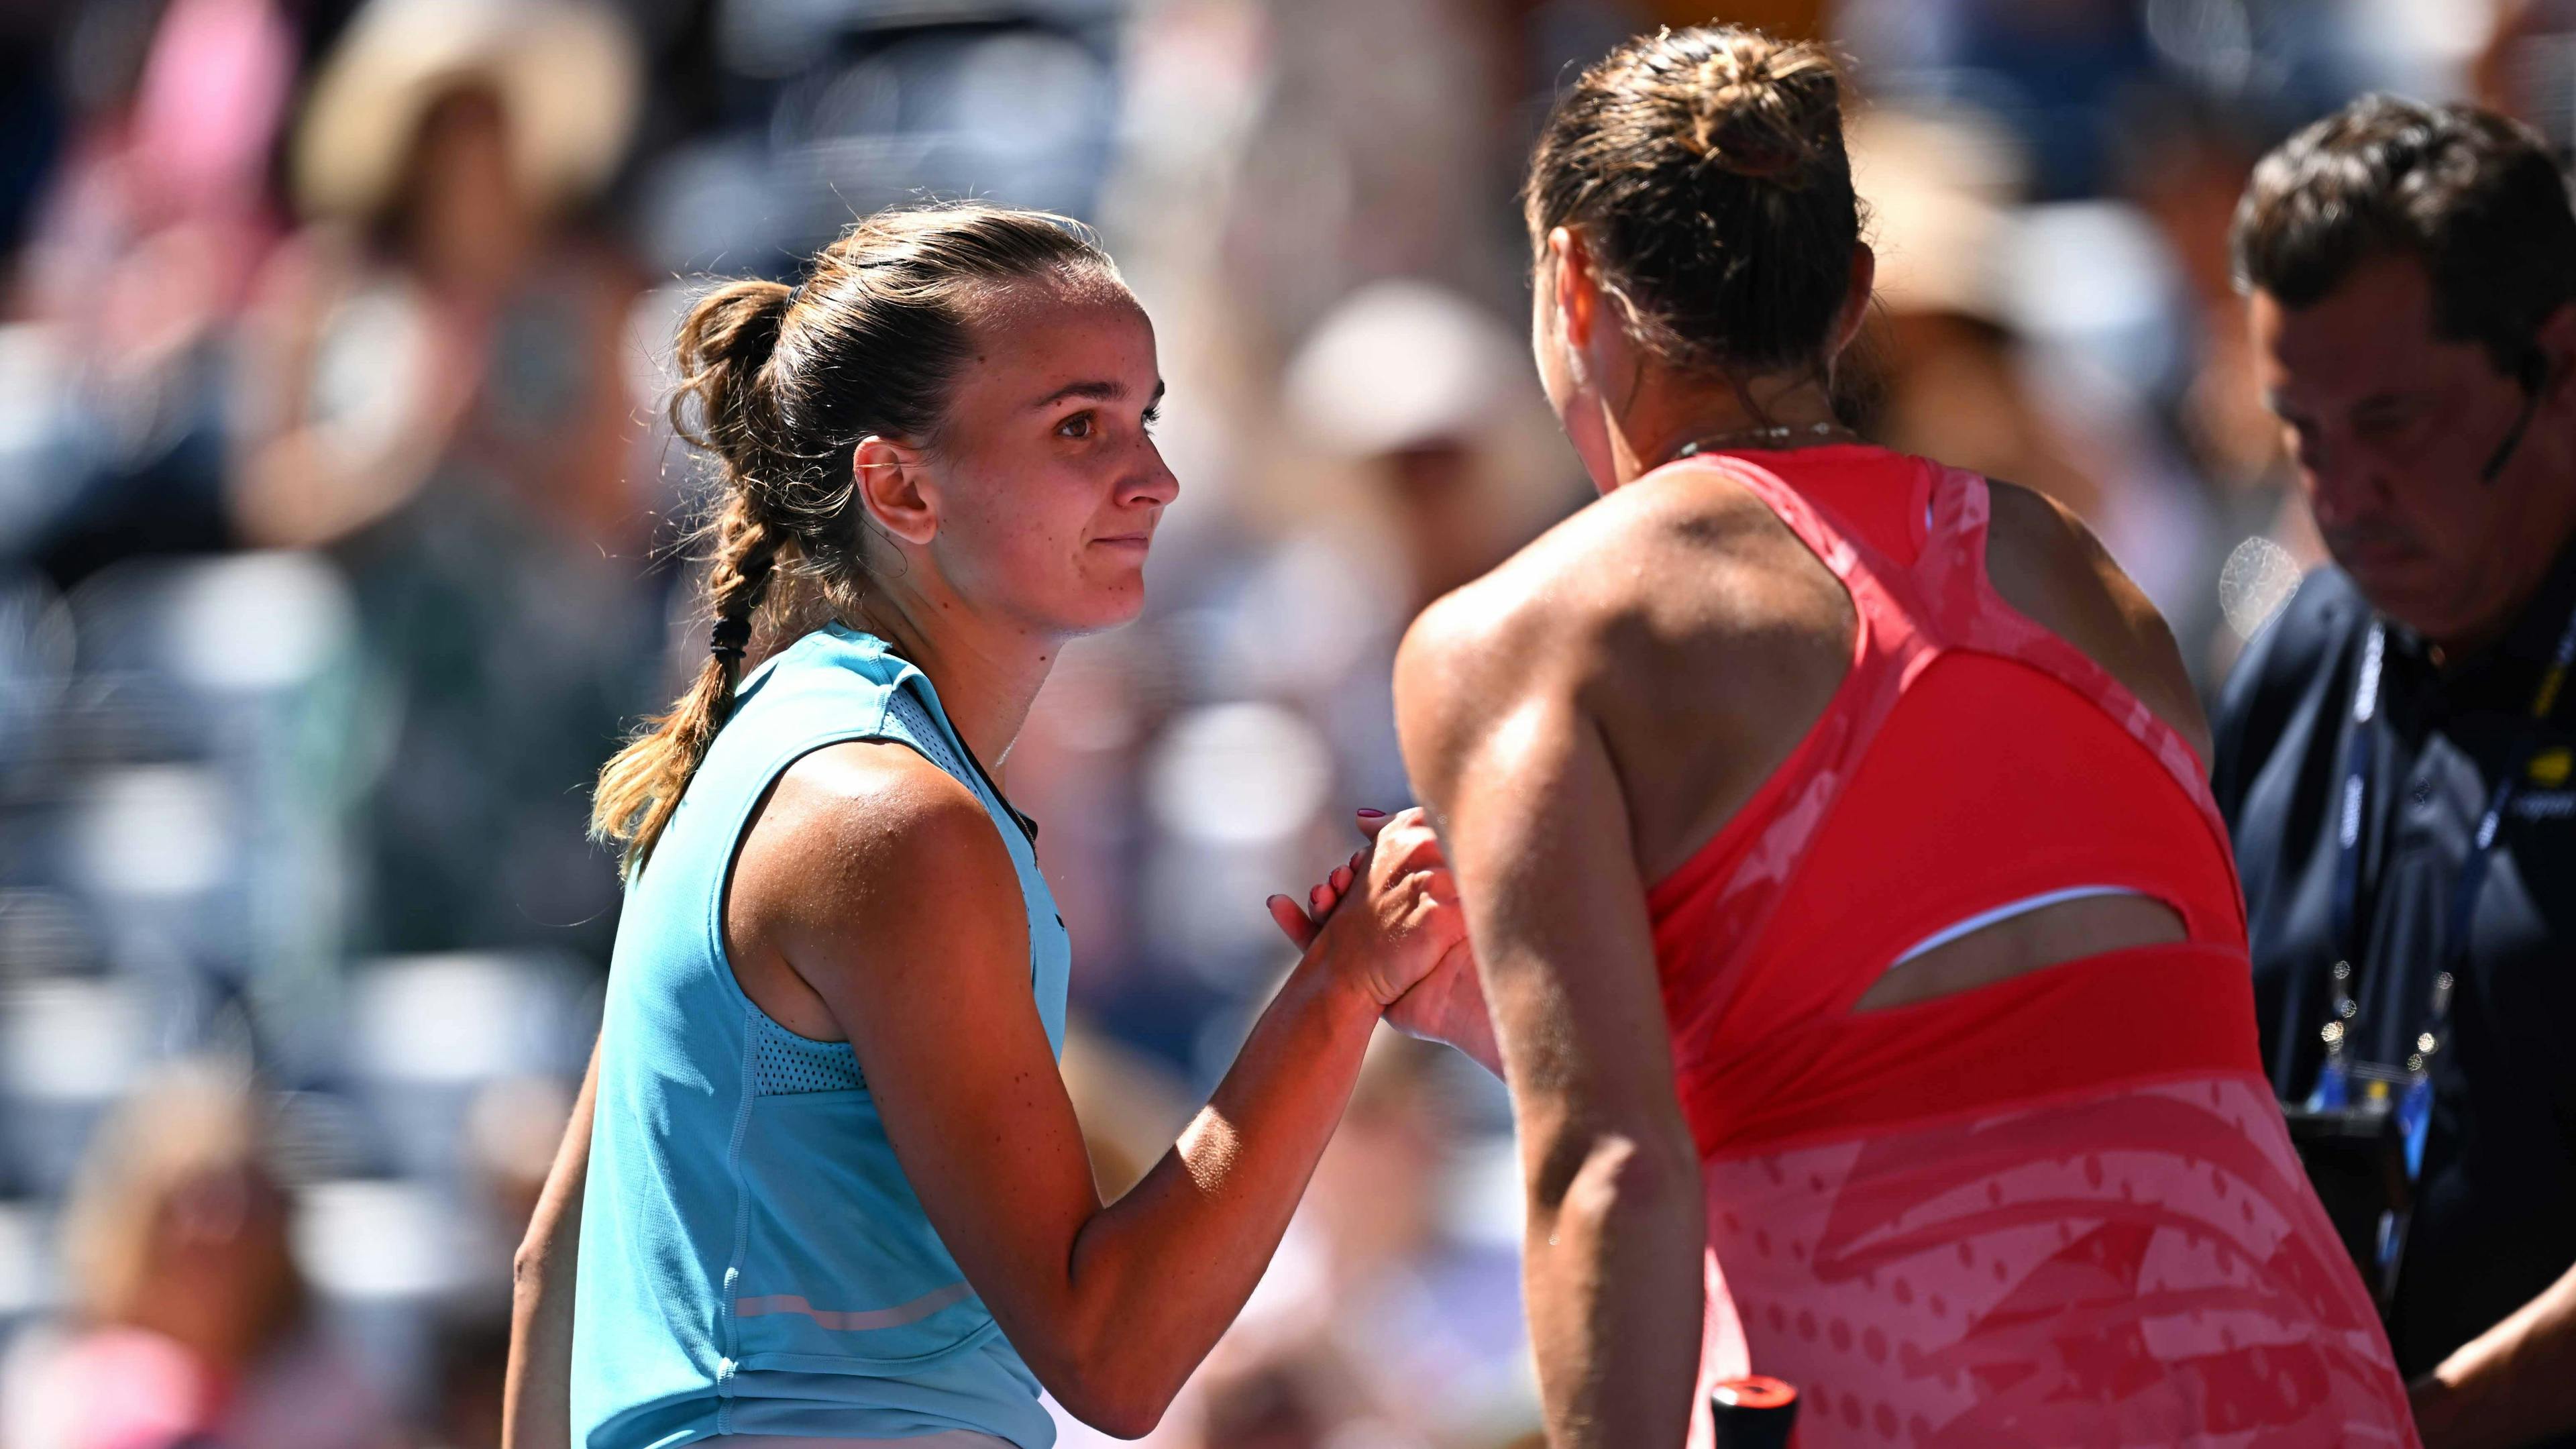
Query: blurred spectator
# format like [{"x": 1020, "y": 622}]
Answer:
[
  {"x": 1431, "y": 399},
  {"x": 1401, "y": 1298},
  {"x": 2044, "y": 67},
  {"x": 1940, "y": 189},
  {"x": 1323, "y": 204},
  {"x": 1422, "y": 433},
  {"x": 2184, "y": 163},
  {"x": 142, "y": 253},
  {"x": 1978, "y": 304},
  {"x": 440, "y": 400},
  {"x": 190, "y": 1324}
]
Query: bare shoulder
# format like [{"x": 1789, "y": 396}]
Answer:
[
  {"x": 2032, "y": 537},
  {"x": 1538, "y": 614},
  {"x": 867, "y": 829},
  {"x": 2047, "y": 564},
  {"x": 1600, "y": 568},
  {"x": 1590, "y": 608}
]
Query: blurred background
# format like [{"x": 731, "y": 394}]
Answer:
[{"x": 338, "y": 538}]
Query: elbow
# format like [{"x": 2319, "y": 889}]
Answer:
[
  {"x": 1108, "y": 1352},
  {"x": 1604, "y": 1182},
  {"x": 1132, "y": 1419},
  {"x": 539, "y": 1257},
  {"x": 527, "y": 1269},
  {"x": 1112, "y": 1399},
  {"x": 1101, "y": 1373}
]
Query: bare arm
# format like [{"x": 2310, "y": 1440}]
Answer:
[
  {"x": 906, "y": 920},
  {"x": 1532, "y": 815},
  {"x": 536, "y": 1401},
  {"x": 2513, "y": 1384}
]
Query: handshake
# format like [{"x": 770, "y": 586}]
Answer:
[{"x": 1388, "y": 922}]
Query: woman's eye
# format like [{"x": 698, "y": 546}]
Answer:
[
  {"x": 1152, "y": 416},
  {"x": 1078, "y": 426}
]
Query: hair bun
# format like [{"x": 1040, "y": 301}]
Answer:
[
  {"x": 1758, "y": 107},
  {"x": 1707, "y": 172}
]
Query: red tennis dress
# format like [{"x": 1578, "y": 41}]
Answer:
[{"x": 2060, "y": 1209}]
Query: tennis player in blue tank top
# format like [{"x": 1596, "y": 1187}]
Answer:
[{"x": 825, "y": 1183}]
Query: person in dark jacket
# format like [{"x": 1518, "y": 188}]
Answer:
[{"x": 2394, "y": 752}]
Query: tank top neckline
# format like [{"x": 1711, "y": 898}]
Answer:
[{"x": 872, "y": 641}]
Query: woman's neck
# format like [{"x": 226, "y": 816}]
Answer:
[
  {"x": 988, "y": 672},
  {"x": 1670, "y": 410}
]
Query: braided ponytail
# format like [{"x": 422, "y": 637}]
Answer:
[{"x": 641, "y": 784}]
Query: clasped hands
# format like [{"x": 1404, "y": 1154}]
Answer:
[{"x": 1398, "y": 893}]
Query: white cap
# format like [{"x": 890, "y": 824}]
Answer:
[{"x": 1400, "y": 364}]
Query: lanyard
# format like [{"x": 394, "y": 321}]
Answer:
[{"x": 2334, "y": 1083}]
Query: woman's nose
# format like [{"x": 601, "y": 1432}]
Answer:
[{"x": 1154, "y": 483}]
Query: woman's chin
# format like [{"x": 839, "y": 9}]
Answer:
[
  {"x": 1103, "y": 606},
  {"x": 1121, "y": 613}
]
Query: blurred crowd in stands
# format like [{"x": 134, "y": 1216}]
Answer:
[{"x": 339, "y": 535}]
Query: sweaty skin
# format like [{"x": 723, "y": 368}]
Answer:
[
  {"x": 1577, "y": 733},
  {"x": 1582, "y": 720}
]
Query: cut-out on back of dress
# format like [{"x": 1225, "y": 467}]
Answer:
[{"x": 2052, "y": 1205}]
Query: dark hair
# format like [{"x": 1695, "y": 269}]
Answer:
[
  {"x": 2471, "y": 195},
  {"x": 1706, "y": 170},
  {"x": 781, "y": 384}
]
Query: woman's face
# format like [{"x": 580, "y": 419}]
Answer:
[
  {"x": 465, "y": 210},
  {"x": 1049, "y": 485}
]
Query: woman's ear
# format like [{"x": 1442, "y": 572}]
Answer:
[
  {"x": 1855, "y": 309},
  {"x": 1578, "y": 292},
  {"x": 895, "y": 489}
]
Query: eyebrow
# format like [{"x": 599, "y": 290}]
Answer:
[{"x": 1096, "y": 391}]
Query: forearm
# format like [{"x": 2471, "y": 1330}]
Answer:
[
  {"x": 1159, "y": 1274},
  {"x": 1613, "y": 1277},
  {"x": 2512, "y": 1384},
  {"x": 536, "y": 1402}
]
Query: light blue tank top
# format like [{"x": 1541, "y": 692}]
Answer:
[{"x": 753, "y": 1260}]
